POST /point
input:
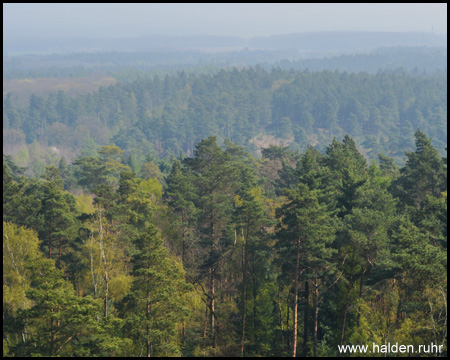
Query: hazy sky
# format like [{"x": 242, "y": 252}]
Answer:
[{"x": 244, "y": 20}]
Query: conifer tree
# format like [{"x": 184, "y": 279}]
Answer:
[
  {"x": 58, "y": 214},
  {"x": 305, "y": 233},
  {"x": 250, "y": 219},
  {"x": 215, "y": 181},
  {"x": 179, "y": 195},
  {"x": 422, "y": 175},
  {"x": 155, "y": 303}
]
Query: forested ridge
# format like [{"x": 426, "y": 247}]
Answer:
[
  {"x": 126, "y": 66},
  {"x": 170, "y": 114},
  {"x": 223, "y": 253},
  {"x": 244, "y": 203}
]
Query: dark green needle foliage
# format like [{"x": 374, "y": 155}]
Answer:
[{"x": 183, "y": 221}]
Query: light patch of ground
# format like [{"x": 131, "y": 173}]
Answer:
[
  {"x": 313, "y": 139},
  {"x": 23, "y": 88},
  {"x": 264, "y": 141},
  {"x": 54, "y": 149}
]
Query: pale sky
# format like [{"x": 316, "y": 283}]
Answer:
[{"x": 243, "y": 20}]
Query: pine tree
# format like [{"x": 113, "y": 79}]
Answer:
[
  {"x": 423, "y": 175},
  {"x": 250, "y": 219},
  {"x": 58, "y": 211},
  {"x": 305, "y": 233},
  {"x": 179, "y": 195},
  {"x": 214, "y": 177},
  {"x": 155, "y": 303}
]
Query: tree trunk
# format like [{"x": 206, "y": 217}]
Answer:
[
  {"x": 148, "y": 314},
  {"x": 60, "y": 252},
  {"x": 211, "y": 306},
  {"x": 50, "y": 243},
  {"x": 205, "y": 326},
  {"x": 361, "y": 281},
  {"x": 305, "y": 320},
  {"x": 287, "y": 320},
  {"x": 213, "y": 329},
  {"x": 281, "y": 316},
  {"x": 148, "y": 328},
  {"x": 244, "y": 285},
  {"x": 316, "y": 311},
  {"x": 92, "y": 267},
  {"x": 100, "y": 230},
  {"x": 183, "y": 255},
  {"x": 346, "y": 306},
  {"x": 183, "y": 239},
  {"x": 52, "y": 336},
  {"x": 211, "y": 272},
  {"x": 294, "y": 347}
]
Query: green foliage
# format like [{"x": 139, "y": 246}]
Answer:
[
  {"x": 19, "y": 247},
  {"x": 423, "y": 175},
  {"x": 176, "y": 261},
  {"x": 381, "y": 111},
  {"x": 58, "y": 213},
  {"x": 91, "y": 172},
  {"x": 84, "y": 204},
  {"x": 155, "y": 303}
]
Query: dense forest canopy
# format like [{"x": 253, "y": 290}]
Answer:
[
  {"x": 246, "y": 203},
  {"x": 227, "y": 254},
  {"x": 168, "y": 115}
]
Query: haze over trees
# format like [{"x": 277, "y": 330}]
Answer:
[
  {"x": 169, "y": 114},
  {"x": 252, "y": 205}
]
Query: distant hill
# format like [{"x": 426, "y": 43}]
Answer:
[
  {"x": 121, "y": 65},
  {"x": 323, "y": 42},
  {"x": 416, "y": 59},
  {"x": 347, "y": 41}
]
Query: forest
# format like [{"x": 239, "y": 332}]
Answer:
[
  {"x": 125, "y": 66},
  {"x": 168, "y": 115},
  {"x": 286, "y": 197},
  {"x": 227, "y": 254}
]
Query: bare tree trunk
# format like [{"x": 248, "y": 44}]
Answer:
[
  {"x": 254, "y": 302},
  {"x": 305, "y": 320},
  {"x": 60, "y": 252},
  {"x": 183, "y": 255},
  {"x": 183, "y": 236},
  {"x": 213, "y": 330},
  {"x": 361, "y": 281},
  {"x": 148, "y": 327},
  {"x": 211, "y": 272},
  {"x": 183, "y": 331},
  {"x": 205, "y": 327},
  {"x": 52, "y": 337},
  {"x": 50, "y": 240},
  {"x": 294, "y": 347},
  {"x": 94, "y": 283},
  {"x": 346, "y": 306},
  {"x": 149, "y": 344},
  {"x": 100, "y": 231},
  {"x": 316, "y": 311},
  {"x": 244, "y": 284},
  {"x": 287, "y": 320},
  {"x": 281, "y": 316},
  {"x": 211, "y": 306}
]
